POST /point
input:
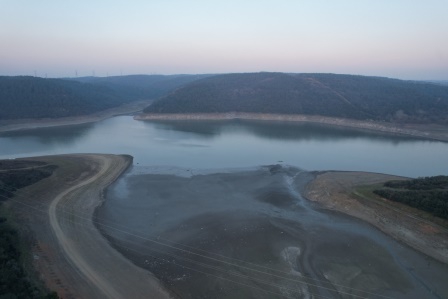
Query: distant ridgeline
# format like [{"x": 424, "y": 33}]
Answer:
[
  {"x": 346, "y": 96},
  {"x": 32, "y": 97}
]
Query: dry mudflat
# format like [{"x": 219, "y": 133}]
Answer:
[
  {"x": 70, "y": 255},
  {"x": 251, "y": 233}
]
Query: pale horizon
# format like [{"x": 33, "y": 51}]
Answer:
[{"x": 399, "y": 39}]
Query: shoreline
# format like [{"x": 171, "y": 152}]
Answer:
[
  {"x": 262, "y": 214},
  {"x": 75, "y": 259},
  {"x": 427, "y": 131},
  {"x": 70, "y": 254},
  {"x": 336, "y": 191},
  {"x": 29, "y": 124}
]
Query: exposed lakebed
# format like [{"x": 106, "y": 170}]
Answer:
[{"x": 248, "y": 233}]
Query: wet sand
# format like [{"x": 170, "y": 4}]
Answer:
[{"x": 251, "y": 234}]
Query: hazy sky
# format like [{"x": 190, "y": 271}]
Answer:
[{"x": 396, "y": 38}]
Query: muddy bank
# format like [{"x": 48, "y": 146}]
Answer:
[
  {"x": 251, "y": 234},
  {"x": 430, "y": 131}
]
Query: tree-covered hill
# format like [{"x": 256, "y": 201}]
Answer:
[
  {"x": 348, "y": 96},
  {"x": 31, "y": 97},
  {"x": 137, "y": 87}
]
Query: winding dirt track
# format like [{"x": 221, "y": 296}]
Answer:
[{"x": 96, "y": 269}]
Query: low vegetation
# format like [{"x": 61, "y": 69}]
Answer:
[
  {"x": 429, "y": 194},
  {"x": 346, "y": 96},
  {"x": 18, "y": 174},
  {"x": 31, "y": 97},
  {"x": 15, "y": 282}
]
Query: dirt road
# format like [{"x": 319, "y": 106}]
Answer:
[{"x": 71, "y": 254}]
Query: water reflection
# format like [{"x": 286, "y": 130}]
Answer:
[
  {"x": 53, "y": 135},
  {"x": 230, "y": 144},
  {"x": 275, "y": 130}
]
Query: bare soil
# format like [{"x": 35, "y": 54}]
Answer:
[{"x": 342, "y": 191}]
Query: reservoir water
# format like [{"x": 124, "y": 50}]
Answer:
[
  {"x": 236, "y": 144},
  {"x": 215, "y": 209}
]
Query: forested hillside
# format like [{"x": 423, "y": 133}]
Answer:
[
  {"x": 137, "y": 87},
  {"x": 357, "y": 97},
  {"x": 31, "y": 97}
]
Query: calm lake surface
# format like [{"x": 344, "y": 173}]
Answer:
[{"x": 235, "y": 144}]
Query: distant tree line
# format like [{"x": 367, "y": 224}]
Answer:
[
  {"x": 426, "y": 183},
  {"x": 12, "y": 180},
  {"x": 429, "y": 194},
  {"x": 31, "y": 97}
]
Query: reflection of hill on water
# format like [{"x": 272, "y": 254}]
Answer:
[
  {"x": 277, "y": 130},
  {"x": 66, "y": 135}
]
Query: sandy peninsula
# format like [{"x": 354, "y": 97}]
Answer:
[{"x": 70, "y": 254}]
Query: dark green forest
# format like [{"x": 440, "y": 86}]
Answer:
[
  {"x": 15, "y": 282},
  {"x": 429, "y": 194},
  {"x": 32, "y": 97},
  {"x": 14, "y": 179},
  {"x": 348, "y": 96}
]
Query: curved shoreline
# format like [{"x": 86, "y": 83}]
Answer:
[
  {"x": 84, "y": 263},
  {"x": 431, "y": 131},
  {"x": 72, "y": 256},
  {"x": 336, "y": 190},
  {"x": 29, "y": 124}
]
